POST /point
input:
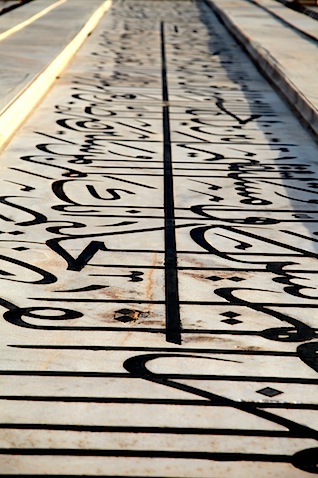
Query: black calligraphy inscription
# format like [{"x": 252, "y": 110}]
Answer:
[{"x": 158, "y": 265}]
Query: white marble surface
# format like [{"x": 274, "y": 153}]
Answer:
[
  {"x": 158, "y": 263},
  {"x": 285, "y": 55},
  {"x": 34, "y": 52}
]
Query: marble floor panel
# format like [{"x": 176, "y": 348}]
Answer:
[{"x": 158, "y": 247}]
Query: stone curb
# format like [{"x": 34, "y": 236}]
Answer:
[
  {"x": 271, "y": 69},
  {"x": 16, "y": 112}
]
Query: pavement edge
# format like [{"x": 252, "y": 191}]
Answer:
[
  {"x": 271, "y": 69},
  {"x": 20, "y": 108}
]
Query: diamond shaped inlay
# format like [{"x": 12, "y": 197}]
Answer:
[
  {"x": 124, "y": 311},
  {"x": 232, "y": 321},
  {"x": 124, "y": 318},
  {"x": 215, "y": 278},
  {"x": 20, "y": 248},
  {"x": 269, "y": 392},
  {"x": 230, "y": 314},
  {"x": 127, "y": 315},
  {"x": 233, "y": 279}
]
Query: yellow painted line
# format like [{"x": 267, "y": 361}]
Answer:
[
  {"x": 35, "y": 17},
  {"x": 20, "y": 108}
]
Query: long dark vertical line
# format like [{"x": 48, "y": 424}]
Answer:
[{"x": 173, "y": 325}]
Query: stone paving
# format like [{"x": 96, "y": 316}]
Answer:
[
  {"x": 158, "y": 263},
  {"x": 283, "y": 43}
]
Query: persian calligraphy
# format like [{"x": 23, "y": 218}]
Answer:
[{"x": 158, "y": 263}]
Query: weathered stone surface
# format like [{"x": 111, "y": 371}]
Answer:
[{"x": 158, "y": 263}]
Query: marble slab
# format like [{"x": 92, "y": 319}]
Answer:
[
  {"x": 33, "y": 53},
  {"x": 158, "y": 274},
  {"x": 282, "y": 44}
]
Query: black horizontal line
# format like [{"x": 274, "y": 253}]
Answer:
[
  {"x": 159, "y": 349},
  {"x": 233, "y": 378},
  {"x": 150, "y": 430},
  {"x": 236, "y": 270},
  {"x": 254, "y": 304},
  {"x": 191, "y": 218},
  {"x": 210, "y": 220},
  {"x": 205, "y": 253},
  {"x": 182, "y": 302},
  {"x": 115, "y": 173},
  {"x": 111, "y": 301},
  {"x": 106, "y": 400},
  {"x": 241, "y": 209},
  {"x": 218, "y": 402},
  {"x": 190, "y": 268},
  {"x": 81, "y": 476},
  {"x": 211, "y": 208},
  {"x": 258, "y": 254},
  {"x": 136, "y": 266},
  {"x": 229, "y": 160},
  {"x": 185, "y": 455},
  {"x": 237, "y": 333},
  {"x": 202, "y": 142}
]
